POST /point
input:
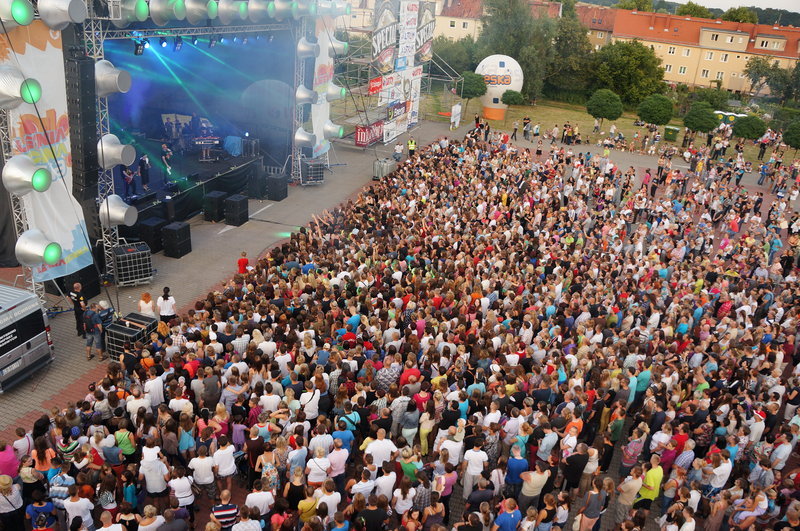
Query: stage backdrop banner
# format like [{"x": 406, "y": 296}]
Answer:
[
  {"x": 323, "y": 75},
  {"x": 38, "y": 54},
  {"x": 408, "y": 34}
]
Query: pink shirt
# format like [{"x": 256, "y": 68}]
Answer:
[
  {"x": 9, "y": 465},
  {"x": 338, "y": 460}
]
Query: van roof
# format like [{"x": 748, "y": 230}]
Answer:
[{"x": 10, "y": 297}]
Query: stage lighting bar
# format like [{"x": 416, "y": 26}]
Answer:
[
  {"x": 15, "y": 89},
  {"x": 15, "y": 13},
  {"x": 132, "y": 11},
  {"x": 187, "y": 31},
  {"x": 176, "y": 47},
  {"x": 138, "y": 47},
  {"x": 34, "y": 248},
  {"x": 58, "y": 14},
  {"x": 21, "y": 176}
]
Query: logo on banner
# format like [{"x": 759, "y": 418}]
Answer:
[
  {"x": 425, "y": 26},
  {"x": 375, "y": 85},
  {"x": 366, "y": 135},
  {"x": 31, "y": 140},
  {"x": 396, "y": 110},
  {"x": 384, "y": 36}
]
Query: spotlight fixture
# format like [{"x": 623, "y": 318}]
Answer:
[
  {"x": 212, "y": 41},
  {"x": 222, "y": 39},
  {"x": 21, "y": 175},
  {"x": 244, "y": 40},
  {"x": 194, "y": 40},
  {"x": 34, "y": 247},
  {"x": 178, "y": 44},
  {"x": 146, "y": 43},
  {"x": 58, "y": 14},
  {"x": 235, "y": 39},
  {"x": 15, "y": 13},
  {"x": 138, "y": 47},
  {"x": 163, "y": 41},
  {"x": 16, "y": 89}
]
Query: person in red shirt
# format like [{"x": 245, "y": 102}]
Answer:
[
  {"x": 243, "y": 262},
  {"x": 409, "y": 371}
]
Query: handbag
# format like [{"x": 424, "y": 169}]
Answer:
[{"x": 576, "y": 524}]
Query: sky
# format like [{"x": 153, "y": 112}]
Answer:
[{"x": 789, "y": 5}]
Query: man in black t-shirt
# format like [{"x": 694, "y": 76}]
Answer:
[
  {"x": 79, "y": 305},
  {"x": 372, "y": 517}
]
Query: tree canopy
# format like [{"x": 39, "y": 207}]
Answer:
[
  {"x": 605, "y": 105},
  {"x": 512, "y": 97},
  {"x": 740, "y": 14},
  {"x": 757, "y": 70},
  {"x": 635, "y": 5},
  {"x": 791, "y": 137},
  {"x": 700, "y": 118},
  {"x": 690, "y": 9},
  {"x": 656, "y": 109},
  {"x": 473, "y": 86},
  {"x": 749, "y": 127},
  {"x": 629, "y": 69},
  {"x": 459, "y": 55}
]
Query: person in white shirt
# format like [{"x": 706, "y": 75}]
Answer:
[
  {"x": 202, "y": 468},
  {"x": 166, "y": 306},
  {"x": 318, "y": 468},
  {"x": 78, "y": 507},
  {"x": 181, "y": 486},
  {"x": 269, "y": 401},
  {"x": 403, "y": 498},
  {"x": 327, "y": 494},
  {"x": 385, "y": 483},
  {"x": 475, "y": 462},
  {"x": 381, "y": 449},
  {"x": 135, "y": 401},
  {"x": 309, "y": 401},
  {"x": 107, "y": 524},
  {"x": 261, "y": 498},
  {"x": 224, "y": 463},
  {"x": 154, "y": 388}
]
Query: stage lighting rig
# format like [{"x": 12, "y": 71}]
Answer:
[
  {"x": 138, "y": 47},
  {"x": 163, "y": 41},
  {"x": 212, "y": 41},
  {"x": 34, "y": 248},
  {"x": 15, "y": 89},
  {"x": 146, "y": 43},
  {"x": 176, "y": 47},
  {"x": 194, "y": 40},
  {"x": 21, "y": 175},
  {"x": 15, "y": 13},
  {"x": 58, "y": 14}
]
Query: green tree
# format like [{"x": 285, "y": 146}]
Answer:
[
  {"x": 757, "y": 70},
  {"x": 740, "y": 14},
  {"x": 473, "y": 86},
  {"x": 506, "y": 26},
  {"x": 630, "y": 69},
  {"x": 791, "y": 136},
  {"x": 605, "y": 105},
  {"x": 635, "y": 5},
  {"x": 749, "y": 127},
  {"x": 512, "y": 97},
  {"x": 572, "y": 51},
  {"x": 690, "y": 9},
  {"x": 779, "y": 82},
  {"x": 656, "y": 109},
  {"x": 454, "y": 53},
  {"x": 717, "y": 99},
  {"x": 700, "y": 118}
]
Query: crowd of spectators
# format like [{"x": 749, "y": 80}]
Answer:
[{"x": 487, "y": 339}]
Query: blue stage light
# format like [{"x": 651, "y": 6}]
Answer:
[{"x": 146, "y": 43}]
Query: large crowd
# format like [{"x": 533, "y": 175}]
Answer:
[{"x": 491, "y": 338}]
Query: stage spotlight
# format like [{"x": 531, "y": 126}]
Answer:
[
  {"x": 259, "y": 10},
  {"x": 111, "y": 152},
  {"x": 110, "y": 80},
  {"x": 245, "y": 40},
  {"x": 231, "y": 11},
  {"x": 304, "y": 95},
  {"x": 34, "y": 248},
  {"x": 235, "y": 39},
  {"x": 212, "y": 41},
  {"x": 138, "y": 47},
  {"x": 194, "y": 40},
  {"x": 15, "y": 13},
  {"x": 337, "y": 48},
  {"x": 164, "y": 11},
  {"x": 334, "y": 92},
  {"x": 146, "y": 43},
  {"x": 222, "y": 39},
  {"x": 197, "y": 11},
  {"x": 58, "y": 14},
  {"x": 332, "y": 130},
  {"x": 281, "y": 9},
  {"x": 15, "y": 89},
  {"x": 303, "y": 138},
  {"x": 132, "y": 11},
  {"x": 307, "y": 49},
  {"x": 114, "y": 211},
  {"x": 176, "y": 47},
  {"x": 21, "y": 175},
  {"x": 303, "y": 8},
  {"x": 163, "y": 41}
]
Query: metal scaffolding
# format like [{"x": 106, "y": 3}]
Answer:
[{"x": 301, "y": 30}]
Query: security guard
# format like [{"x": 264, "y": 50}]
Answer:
[
  {"x": 79, "y": 305},
  {"x": 412, "y": 146}
]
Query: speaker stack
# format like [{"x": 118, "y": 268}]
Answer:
[
  {"x": 214, "y": 206},
  {"x": 257, "y": 183},
  {"x": 79, "y": 77},
  {"x": 150, "y": 232},
  {"x": 277, "y": 187},
  {"x": 87, "y": 277},
  {"x": 177, "y": 239},
  {"x": 237, "y": 211}
]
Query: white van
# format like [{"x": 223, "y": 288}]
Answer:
[{"x": 25, "y": 342}]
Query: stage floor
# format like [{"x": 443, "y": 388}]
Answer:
[{"x": 184, "y": 166}]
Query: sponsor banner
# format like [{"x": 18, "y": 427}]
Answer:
[
  {"x": 323, "y": 75},
  {"x": 37, "y": 53},
  {"x": 396, "y": 110},
  {"x": 392, "y": 89},
  {"x": 385, "y": 34},
  {"x": 375, "y": 85},
  {"x": 426, "y": 24},
  {"x": 455, "y": 116},
  {"x": 366, "y": 135}
]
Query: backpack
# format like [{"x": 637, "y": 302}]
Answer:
[{"x": 88, "y": 325}]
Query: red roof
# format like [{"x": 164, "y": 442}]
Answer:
[
  {"x": 541, "y": 9},
  {"x": 686, "y": 30},
  {"x": 462, "y": 9},
  {"x": 596, "y": 17}
]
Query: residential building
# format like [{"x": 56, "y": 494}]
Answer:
[{"x": 599, "y": 22}]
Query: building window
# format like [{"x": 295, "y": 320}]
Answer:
[
  {"x": 715, "y": 36},
  {"x": 741, "y": 40},
  {"x": 729, "y": 39},
  {"x": 495, "y": 100},
  {"x": 686, "y": 52},
  {"x": 709, "y": 56},
  {"x": 682, "y": 70},
  {"x": 763, "y": 44},
  {"x": 671, "y": 50},
  {"x": 502, "y": 64},
  {"x": 776, "y": 45},
  {"x": 452, "y": 23},
  {"x": 464, "y": 25},
  {"x": 601, "y": 34},
  {"x": 704, "y": 73},
  {"x": 720, "y": 75},
  {"x": 667, "y": 68},
  {"x": 723, "y": 58}
]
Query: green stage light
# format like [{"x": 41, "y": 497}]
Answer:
[
  {"x": 141, "y": 10},
  {"x": 213, "y": 9},
  {"x": 243, "y": 10},
  {"x": 22, "y": 12},
  {"x": 40, "y": 181},
  {"x": 180, "y": 9},
  {"x": 52, "y": 253},
  {"x": 30, "y": 91}
]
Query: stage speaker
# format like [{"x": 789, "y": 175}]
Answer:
[
  {"x": 58, "y": 14},
  {"x": 332, "y": 130},
  {"x": 214, "y": 206},
  {"x": 150, "y": 232},
  {"x": 109, "y": 79},
  {"x": 88, "y": 278},
  {"x": 237, "y": 210},
  {"x": 134, "y": 264},
  {"x": 303, "y": 138},
  {"x": 143, "y": 199},
  {"x": 337, "y": 48},
  {"x": 114, "y": 211},
  {"x": 304, "y": 95},
  {"x": 277, "y": 187},
  {"x": 307, "y": 49},
  {"x": 21, "y": 175},
  {"x": 177, "y": 239},
  {"x": 169, "y": 209},
  {"x": 334, "y": 92},
  {"x": 257, "y": 184},
  {"x": 82, "y": 113}
]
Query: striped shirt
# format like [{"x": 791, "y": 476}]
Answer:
[{"x": 225, "y": 514}]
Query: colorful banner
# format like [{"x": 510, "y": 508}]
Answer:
[
  {"x": 366, "y": 135},
  {"x": 407, "y": 45},
  {"x": 391, "y": 89},
  {"x": 384, "y": 35},
  {"x": 426, "y": 24},
  {"x": 375, "y": 85},
  {"x": 323, "y": 74},
  {"x": 37, "y": 53}
]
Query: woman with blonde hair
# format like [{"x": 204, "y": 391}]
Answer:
[
  {"x": 12, "y": 508},
  {"x": 146, "y": 305}
]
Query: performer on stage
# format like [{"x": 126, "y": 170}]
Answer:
[
  {"x": 129, "y": 181},
  {"x": 144, "y": 171},
  {"x": 166, "y": 155}
]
